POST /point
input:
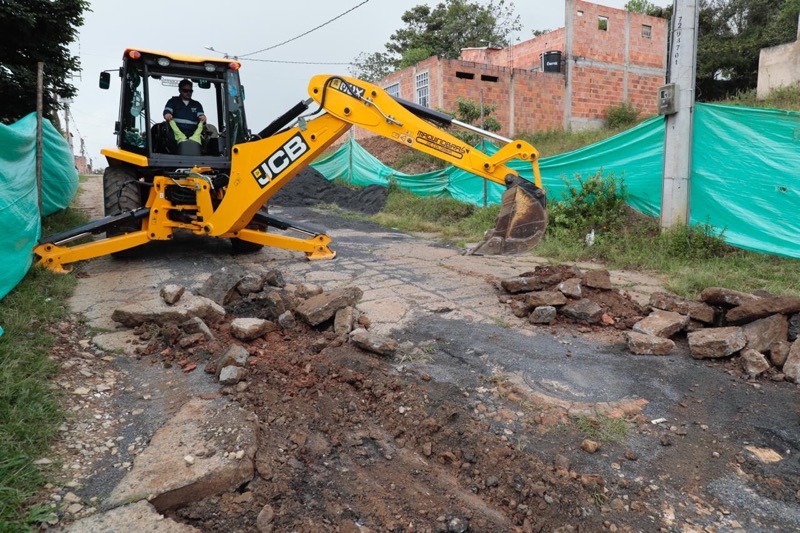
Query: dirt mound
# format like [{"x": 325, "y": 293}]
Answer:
[{"x": 310, "y": 188}]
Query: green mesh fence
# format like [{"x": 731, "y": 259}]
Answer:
[
  {"x": 743, "y": 181},
  {"x": 20, "y": 220}
]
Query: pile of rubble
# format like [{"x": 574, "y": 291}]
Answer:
[
  {"x": 760, "y": 329},
  {"x": 236, "y": 307}
]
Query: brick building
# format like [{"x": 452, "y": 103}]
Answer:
[{"x": 564, "y": 79}]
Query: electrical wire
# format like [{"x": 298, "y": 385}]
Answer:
[
  {"x": 74, "y": 123},
  {"x": 303, "y": 34},
  {"x": 296, "y": 62}
]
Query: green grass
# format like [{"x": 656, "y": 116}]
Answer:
[
  {"x": 29, "y": 406},
  {"x": 787, "y": 98},
  {"x": 555, "y": 142},
  {"x": 453, "y": 220},
  {"x": 602, "y": 428}
]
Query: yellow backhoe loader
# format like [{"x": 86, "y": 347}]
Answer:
[{"x": 219, "y": 182}]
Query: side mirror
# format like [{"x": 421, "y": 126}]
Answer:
[{"x": 105, "y": 80}]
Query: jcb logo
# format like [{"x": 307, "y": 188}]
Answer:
[
  {"x": 280, "y": 160},
  {"x": 348, "y": 88}
]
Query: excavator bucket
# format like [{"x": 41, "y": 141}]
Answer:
[{"x": 521, "y": 222}]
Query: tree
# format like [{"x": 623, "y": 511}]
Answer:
[
  {"x": 443, "y": 31},
  {"x": 471, "y": 113},
  {"x": 730, "y": 38},
  {"x": 645, "y": 7},
  {"x": 371, "y": 67},
  {"x": 33, "y": 31}
]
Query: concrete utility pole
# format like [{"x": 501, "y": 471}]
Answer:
[{"x": 676, "y": 101}]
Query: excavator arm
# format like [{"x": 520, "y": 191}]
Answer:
[{"x": 262, "y": 166}]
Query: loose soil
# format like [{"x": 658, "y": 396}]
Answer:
[{"x": 354, "y": 442}]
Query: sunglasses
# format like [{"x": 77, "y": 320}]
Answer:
[{"x": 187, "y": 90}]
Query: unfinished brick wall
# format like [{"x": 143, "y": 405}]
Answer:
[
  {"x": 626, "y": 61},
  {"x": 616, "y": 57},
  {"x": 526, "y": 55}
]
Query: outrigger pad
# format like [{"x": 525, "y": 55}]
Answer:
[{"x": 521, "y": 223}]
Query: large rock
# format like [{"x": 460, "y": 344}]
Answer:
[
  {"x": 643, "y": 344},
  {"x": 373, "y": 343},
  {"x": 661, "y": 323},
  {"x": 163, "y": 473},
  {"x": 542, "y": 277},
  {"x": 344, "y": 320},
  {"x": 539, "y": 298},
  {"x": 763, "y": 307},
  {"x": 571, "y": 287},
  {"x": 139, "y": 516},
  {"x": 157, "y": 310},
  {"x": 754, "y": 362},
  {"x": 322, "y": 307},
  {"x": 231, "y": 375},
  {"x": 791, "y": 368},
  {"x": 221, "y": 285},
  {"x": 171, "y": 293},
  {"x": 716, "y": 342},
  {"x": 235, "y": 355},
  {"x": 583, "y": 310},
  {"x": 762, "y": 333},
  {"x": 248, "y": 329},
  {"x": 598, "y": 279},
  {"x": 544, "y": 314},
  {"x": 794, "y": 326},
  {"x": 779, "y": 352},
  {"x": 694, "y": 310},
  {"x": 725, "y": 297}
]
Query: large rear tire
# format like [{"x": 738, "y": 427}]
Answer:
[{"x": 121, "y": 193}]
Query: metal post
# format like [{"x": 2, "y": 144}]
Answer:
[
  {"x": 678, "y": 138},
  {"x": 350, "y": 156},
  {"x": 39, "y": 118},
  {"x": 483, "y": 149}
]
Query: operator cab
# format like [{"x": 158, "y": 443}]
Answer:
[{"x": 149, "y": 80}]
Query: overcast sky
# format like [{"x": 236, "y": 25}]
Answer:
[{"x": 238, "y": 27}]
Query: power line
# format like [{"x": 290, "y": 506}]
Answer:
[
  {"x": 297, "y": 62},
  {"x": 304, "y": 34},
  {"x": 74, "y": 123}
]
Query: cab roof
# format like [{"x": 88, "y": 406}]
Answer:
[{"x": 181, "y": 57}]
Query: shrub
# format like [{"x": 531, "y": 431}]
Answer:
[
  {"x": 622, "y": 115},
  {"x": 596, "y": 202}
]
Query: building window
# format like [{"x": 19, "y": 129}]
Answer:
[
  {"x": 647, "y": 31},
  {"x": 465, "y": 75},
  {"x": 393, "y": 90},
  {"x": 486, "y": 77},
  {"x": 580, "y": 13},
  {"x": 602, "y": 23},
  {"x": 422, "y": 89}
]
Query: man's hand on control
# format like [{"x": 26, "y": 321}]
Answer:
[{"x": 168, "y": 117}]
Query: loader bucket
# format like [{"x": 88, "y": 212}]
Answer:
[{"x": 521, "y": 222}]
